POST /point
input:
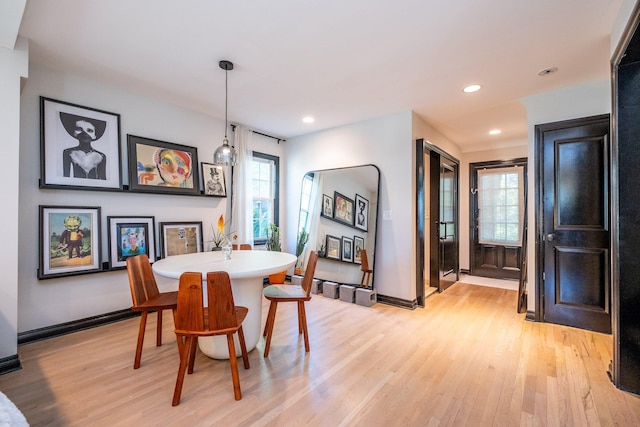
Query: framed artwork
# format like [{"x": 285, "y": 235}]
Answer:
[
  {"x": 333, "y": 248},
  {"x": 162, "y": 167},
  {"x": 130, "y": 236},
  {"x": 347, "y": 249},
  {"x": 362, "y": 213},
  {"x": 69, "y": 241},
  {"x": 358, "y": 246},
  {"x": 213, "y": 180},
  {"x": 180, "y": 237},
  {"x": 79, "y": 147},
  {"x": 342, "y": 208},
  {"x": 327, "y": 206}
]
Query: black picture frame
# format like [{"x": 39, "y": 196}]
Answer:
[
  {"x": 333, "y": 247},
  {"x": 327, "y": 206},
  {"x": 130, "y": 236},
  {"x": 178, "y": 238},
  {"x": 358, "y": 246},
  {"x": 69, "y": 241},
  {"x": 361, "y": 216},
  {"x": 79, "y": 147},
  {"x": 342, "y": 208},
  {"x": 162, "y": 167},
  {"x": 213, "y": 180},
  {"x": 347, "y": 249}
]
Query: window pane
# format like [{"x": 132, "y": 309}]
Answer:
[{"x": 500, "y": 195}]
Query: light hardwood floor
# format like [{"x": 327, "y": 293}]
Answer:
[{"x": 467, "y": 359}]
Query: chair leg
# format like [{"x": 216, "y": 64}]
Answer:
[
  {"x": 269, "y": 316},
  {"x": 192, "y": 354},
  {"x": 233, "y": 361},
  {"x": 303, "y": 320},
  {"x": 243, "y": 348},
  {"x": 141, "y": 329},
  {"x": 184, "y": 356},
  {"x": 271, "y": 320},
  {"x": 300, "y": 304},
  {"x": 159, "y": 329}
]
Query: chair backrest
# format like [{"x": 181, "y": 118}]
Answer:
[
  {"x": 222, "y": 310},
  {"x": 189, "y": 314},
  {"x": 307, "y": 280},
  {"x": 243, "y": 247},
  {"x": 365, "y": 261},
  {"x": 141, "y": 279}
]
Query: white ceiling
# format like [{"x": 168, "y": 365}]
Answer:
[{"x": 339, "y": 61}]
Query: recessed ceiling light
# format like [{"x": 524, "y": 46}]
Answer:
[
  {"x": 471, "y": 88},
  {"x": 547, "y": 71},
  {"x": 308, "y": 119},
  {"x": 495, "y": 132}
]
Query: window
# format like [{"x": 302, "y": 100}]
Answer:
[
  {"x": 264, "y": 182},
  {"x": 305, "y": 202},
  {"x": 500, "y": 206}
]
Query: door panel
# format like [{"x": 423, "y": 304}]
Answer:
[{"x": 576, "y": 225}]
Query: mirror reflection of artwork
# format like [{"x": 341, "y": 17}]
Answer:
[
  {"x": 362, "y": 212},
  {"x": 333, "y": 247},
  {"x": 327, "y": 206},
  {"x": 358, "y": 244},
  {"x": 343, "y": 208},
  {"x": 347, "y": 249}
]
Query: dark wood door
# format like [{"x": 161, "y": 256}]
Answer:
[
  {"x": 575, "y": 223},
  {"x": 444, "y": 265},
  {"x": 499, "y": 261}
]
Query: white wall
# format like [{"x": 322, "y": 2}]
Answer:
[
  {"x": 387, "y": 143},
  {"x": 13, "y": 66},
  {"x": 569, "y": 103},
  {"x": 53, "y": 301}
]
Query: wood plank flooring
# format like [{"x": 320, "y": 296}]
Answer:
[{"x": 467, "y": 359}]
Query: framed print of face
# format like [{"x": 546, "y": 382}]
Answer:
[
  {"x": 80, "y": 147},
  {"x": 130, "y": 236},
  {"x": 69, "y": 241},
  {"x": 327, "y": 206},
  {"x": 180, "y": 238},
  {"x": 162, "y": 167},
  {"x": 213, "y": 180},
  {"x": 358, "y": 246},
  {"x": 333, "y": 248},
  {"x": 343, "y": 208},
  {"x": 362, "y": 213},
  {"x": 347, "y": 249}
]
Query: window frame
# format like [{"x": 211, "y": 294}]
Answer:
[{"x": 276, "y": 190}]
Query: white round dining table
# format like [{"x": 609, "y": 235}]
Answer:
[{"x": 247, "y": 270}]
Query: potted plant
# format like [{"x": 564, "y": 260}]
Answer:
[
  {"x": 273, "y": 244},
  {"x": 303, "y": 238}
]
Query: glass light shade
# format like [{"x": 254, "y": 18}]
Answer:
[{"x": 225, "y": 155}]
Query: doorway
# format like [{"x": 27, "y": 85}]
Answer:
[
  {"x": 437, "y": 243},
  {"x": 497, "y": 217}
]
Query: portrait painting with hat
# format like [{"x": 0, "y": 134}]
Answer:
[{"x": 83, "y": 161}]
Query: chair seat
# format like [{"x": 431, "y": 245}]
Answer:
[
  {"x": 163, "y": 301},
  {"x": 284, "y": 292},
  {"x": 241, "y": 313}
]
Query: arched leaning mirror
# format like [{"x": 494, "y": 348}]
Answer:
[{"x": 338, "y": 217}]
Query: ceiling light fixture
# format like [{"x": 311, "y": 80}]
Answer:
[
  {"x": 471, "y": 88},
  {"x": 308, "y": 119},
  {"x": 547, "y": 71},
  {"x": 225, "y": 155},
  {"x": 495, "y": 132}
]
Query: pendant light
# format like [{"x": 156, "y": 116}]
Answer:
[{"x": 225, "y": 155}]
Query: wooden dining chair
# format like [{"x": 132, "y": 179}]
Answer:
[
  {"x": 290, "y": 293},
  {"x": 243, "y": 247},
  {"x": 147, "y": 298},
  {"x": 193, "y": 319},
  {"x": 366, "y": 271}
]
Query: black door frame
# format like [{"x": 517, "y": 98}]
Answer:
[{"x": 422, "y": 148}]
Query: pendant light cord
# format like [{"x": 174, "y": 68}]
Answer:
[{"x": 226, "y": 102}]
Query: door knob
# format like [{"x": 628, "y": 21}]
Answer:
[{"x": 550, "y": 237}]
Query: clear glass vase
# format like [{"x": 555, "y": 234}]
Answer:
[{"x": 227, "y": 248}]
